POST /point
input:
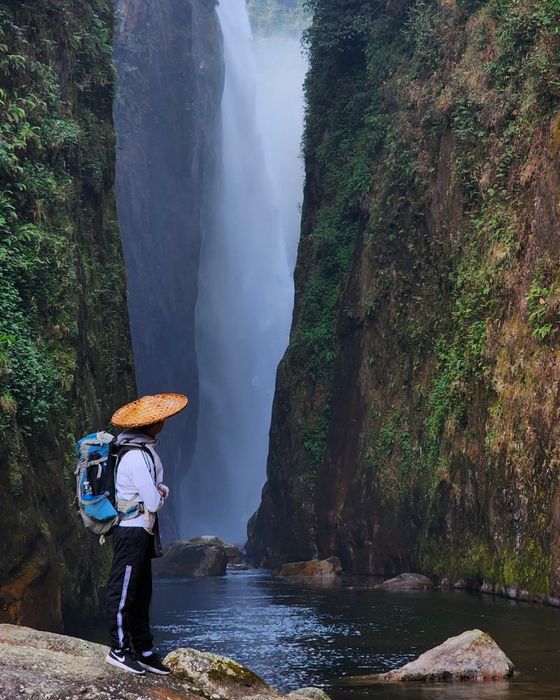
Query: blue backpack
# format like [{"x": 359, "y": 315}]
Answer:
[
  {"x": 95, "y": 482},
  {"x": 98, "y": 457}
]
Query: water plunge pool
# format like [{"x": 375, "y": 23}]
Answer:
[{"x": 295, "y": 635}]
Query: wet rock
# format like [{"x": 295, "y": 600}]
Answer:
[
  {"x": 43, "y": 665},
  {"x": 308, "y": 694},
  {"x": 323, "y": 568},
  {"x": 406, "y": 582},
  {"x": 185, "y": 559},
  {"x": 490, "y": 588},
  {"x": 240, "y": 567},
  {"x": 454, "y": 583},
  {"x": 234, "y": 553},
  {"x": 471, "y": 656},
  {"x": 214, "y": 676}
]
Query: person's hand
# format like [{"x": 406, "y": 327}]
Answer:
[{"x": 163, "y": 489}]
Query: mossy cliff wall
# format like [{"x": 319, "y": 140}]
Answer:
[
  {"x": 416, "y": 419},
  {"x": 170, "y": 69},
  {"x": 65, "y": 362}
]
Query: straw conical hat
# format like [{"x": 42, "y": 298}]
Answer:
[{"x": 148, "y": 410}]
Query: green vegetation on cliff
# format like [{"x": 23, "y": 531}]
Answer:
[
  {"x": 54, "y": 161},
  {"x": 276, "y": 16},
  {"x": 423, "y": 358},
  {"x": 64, "y": 342}
]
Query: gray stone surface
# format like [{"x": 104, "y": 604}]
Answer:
[
  {"x": 308, "y": 694},
  {"x": 185, "y": 559},
  {"x": 45, "y": 666},
  {"x": 471, "y": 656},
  {"x": 234, "y": 553},
  {"x": 320, "y": 568},
  {"x": 406, "y": 582}
]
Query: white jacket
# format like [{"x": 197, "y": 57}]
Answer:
[{"x": 136, "y": 477}]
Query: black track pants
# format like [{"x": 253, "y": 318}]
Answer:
[{"x": 129, "y": 590}]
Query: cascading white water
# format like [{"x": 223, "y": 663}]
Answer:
[{"x": 245, "y": 297}]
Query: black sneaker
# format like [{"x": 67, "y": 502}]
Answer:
[
  {"x": 153, "y": 664},
  {"x": 124, "y": 659}
]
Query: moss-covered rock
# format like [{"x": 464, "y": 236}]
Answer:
[{"x": 214, "y": 676}]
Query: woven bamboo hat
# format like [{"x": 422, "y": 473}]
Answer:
[{"x": 148, "y": 410}]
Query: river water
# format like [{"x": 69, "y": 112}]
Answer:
[{"x": 295, "y": 634}]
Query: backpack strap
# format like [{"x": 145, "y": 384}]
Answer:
[
  {"x": 130, "y": 509},
  {"x": 133, "y": 507},
  {"x": 125, "y": 447}
]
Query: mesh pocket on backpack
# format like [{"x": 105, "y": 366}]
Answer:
[{"x": 98, "y": 508}]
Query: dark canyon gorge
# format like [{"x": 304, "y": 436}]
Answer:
[{"x": 414, "y": 423}]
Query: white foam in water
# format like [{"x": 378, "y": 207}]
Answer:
[{"x": 245, "y": 298}]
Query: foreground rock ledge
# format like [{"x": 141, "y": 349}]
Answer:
[
  {"x": 471, "y": 656},
  {"x": 42, "y": 665}
]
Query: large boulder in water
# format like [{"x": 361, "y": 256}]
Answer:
[
  {"x": 316, "y": 568},
  {"x": 471, "y": 656},
  {"x": 186, "y": 559},
  {"x": 234, "y": 554},
  {"x": 406, "y": 582},
  {"x": 215, "y": 676}
]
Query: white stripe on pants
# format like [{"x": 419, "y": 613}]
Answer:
[{"x": 126, "y": 581}]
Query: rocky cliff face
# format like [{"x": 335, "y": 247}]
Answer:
[
  {"x": 415, "y": 422},
  {"x": 170, "y": 80},
  {"x": 65, "y": 361}
]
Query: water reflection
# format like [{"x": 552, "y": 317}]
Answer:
[
  {"x": 295, "y": 635},
  {"x": 514, "y": 690}
]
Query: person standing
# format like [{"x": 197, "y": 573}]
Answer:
[{"x": 139, "y": 494}]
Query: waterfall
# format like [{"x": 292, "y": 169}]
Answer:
[{"x": 245, "y": 282}]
